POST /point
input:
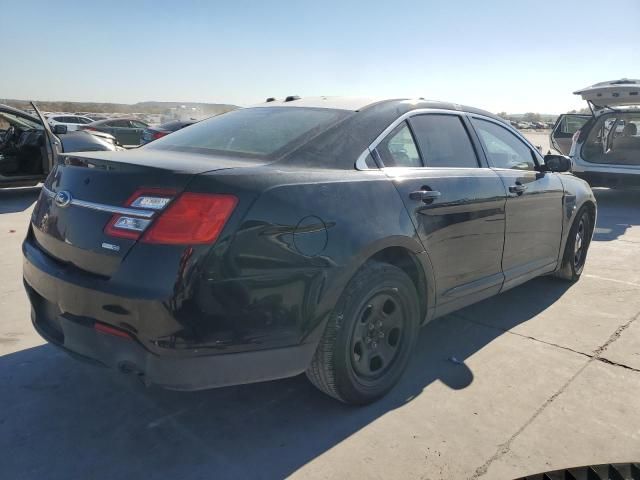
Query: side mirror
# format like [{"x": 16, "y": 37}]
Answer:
[
  {"x": 557, "y": 163},
  {"x": 59, "y": 129}
]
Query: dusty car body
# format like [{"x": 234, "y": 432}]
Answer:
[
  {"x": 26, "y": 152},
  {"x": 307, "y": 235},
  {"x": 605, "y": 145},
  {"x": 127, "y": 131}
]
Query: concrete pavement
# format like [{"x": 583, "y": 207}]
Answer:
[{"x": 542, "y": 377}]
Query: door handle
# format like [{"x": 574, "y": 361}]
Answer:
[
  {"x": 427, "y": 196},
  {"x": 517, "y": 188}
]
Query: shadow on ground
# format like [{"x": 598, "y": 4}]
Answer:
[
  {"x": 618, "y": 210},
  {"x": 18, "y": 199},
  {"x": 63, "y": 419}
]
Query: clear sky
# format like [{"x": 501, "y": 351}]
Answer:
[{"x": 509, "y": 55}]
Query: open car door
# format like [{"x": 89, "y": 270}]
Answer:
[
  {"x": 565, "y": 128},
  {"x": 52, "y": 143}
]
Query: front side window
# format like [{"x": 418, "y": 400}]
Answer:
[
  {"x": 503, "y": 148},
  {"x": 398, "y": 149},
  {"x": 570, "y": 124},
  {"x": 443, "y": 141}
]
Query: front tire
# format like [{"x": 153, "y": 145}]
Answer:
[
  {"x": 368, "y": 340},
  {"x": 575, "y": 252}
]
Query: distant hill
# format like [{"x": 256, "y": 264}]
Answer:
[{"x": 140, "y": 107}]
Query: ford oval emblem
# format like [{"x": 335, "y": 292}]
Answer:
[{"x": 62, "y": 199}]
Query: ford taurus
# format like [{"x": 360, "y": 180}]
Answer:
[{"x": 301, "y": 235}]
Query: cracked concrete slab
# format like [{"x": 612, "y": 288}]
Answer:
[
  {"x": 579, "y": 317},
  {"x": 595, "y": 420},
  {"x": 470, "y": 389},
  {"x": 626, "y": 350}
]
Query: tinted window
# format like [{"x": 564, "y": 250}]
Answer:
[
  {"x": 173, "y": 125},
  {"x": 398, "y": 149},
  {"x": 503, "y": 148},
  {"x": 571, "y": 124},
  {"x": 138, "y": 124},
  {"x": 118, "y": 123},
  {"x": 443, "y": 141},
  {"x": 260, "y": 131}
]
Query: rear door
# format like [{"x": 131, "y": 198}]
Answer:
[
  {"x": 564, "y": 129},
  {"x": 534, "y": 202},
  {"x": 121, "y": 130},
  {"x": 137, "y": 129},
  {"x": 455, "y": 202}
]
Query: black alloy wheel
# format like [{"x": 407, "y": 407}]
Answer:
[{"x": 369, "y": 337}]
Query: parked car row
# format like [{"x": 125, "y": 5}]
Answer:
[
  {"x": 531, "y": 125},
  {"x": 127, "y": 131},
  {"x": 25, "y": 149}
]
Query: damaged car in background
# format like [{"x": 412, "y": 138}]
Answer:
[
  {"x": 604, "y": 146},
  {"x": 26, "y": 152}
]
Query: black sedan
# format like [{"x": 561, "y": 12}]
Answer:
[
  {"x": 310, "y": 235},
  {"x": 153, "y": 133}
]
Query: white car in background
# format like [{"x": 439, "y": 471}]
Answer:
[
  {"x": 604, "y": 146},
  {"x": 72, "y": 122}
]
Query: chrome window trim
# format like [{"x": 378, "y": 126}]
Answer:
[
  {"x": 101, "y": 207},
  {"x": 361, "y": 163}
]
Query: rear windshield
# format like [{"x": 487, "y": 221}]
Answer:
[{"x": 253, "y": 132}]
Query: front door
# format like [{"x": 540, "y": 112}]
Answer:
[
  {"x": 565, "y": 128},
  {"x": 457, "y": 206},
  {"x": 534, "y": 203}
]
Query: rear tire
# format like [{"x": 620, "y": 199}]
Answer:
[
  {"x": 575, "y": 252},
  {"x": 368, "y": 340}
]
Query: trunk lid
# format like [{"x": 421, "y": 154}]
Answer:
[
  {"x": 624, "y": 92},
  {"x": 85, "y": 190}
]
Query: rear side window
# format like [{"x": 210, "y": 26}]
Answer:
[
  {"x": 503, "y": 148},
  {"x": 443, "y": 141},
  {"x": 119, "y": 123},
  {"x": 398, "y": 148},
  {"x": 570, "y": 124},
  {"x": 254, "y": 132}
]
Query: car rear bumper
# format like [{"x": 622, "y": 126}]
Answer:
[{"x": 195, "y": 369}]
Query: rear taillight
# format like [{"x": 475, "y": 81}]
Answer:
[
  {"x": 130, "y": 226},
  {"x": 193, "y": 218},
  {"x": 158, "y": 135}
]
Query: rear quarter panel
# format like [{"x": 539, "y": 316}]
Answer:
[{"x": 280, "y": 272}]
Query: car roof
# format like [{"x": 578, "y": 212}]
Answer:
[
  {"x": 117, "y": 118},
  {"x": 356, "y": 104},
  {"x": 353, "y": 104}
]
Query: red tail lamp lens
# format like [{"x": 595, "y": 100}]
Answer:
[{"x": 193, "y": 218}]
